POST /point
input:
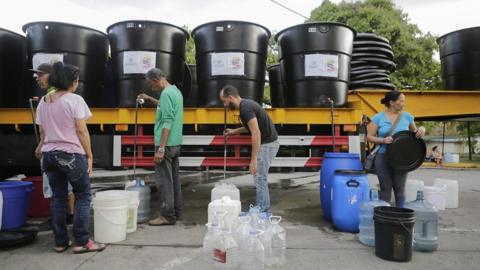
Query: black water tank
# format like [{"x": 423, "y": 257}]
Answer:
[
  {"x": 315, "y": 59},
  {"x": 277, "y": 86},
  {"x": 138, "y": 46},
  {"x": 13, "y": 59},
  {"x": 72, "y": 44},
  {"x": 460, "y": 58},
  {"x": 190, "y": 85},
  {"x": 230, "y": 52}
]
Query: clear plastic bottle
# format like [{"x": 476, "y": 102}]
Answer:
[
  {"x": 366, "y": 225},
  {"x": 426, "y": 224},
  {"x": 212, "y": 236},
  {"x": 254, "y": 252},
  {"x": 226, "y": 251},
  {"x": 242, "y": 231},
  {"x": 276, "y": 239}
]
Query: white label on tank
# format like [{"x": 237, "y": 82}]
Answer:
[
  {"x": 228, "y": 64},
  {"x": 51, "y": 58},
  {"x": 312, "y": 29},
  {"x": 219, "y": 29},
  {"x": 321, "y": 65},
  {"x": 138, "y": 62}
]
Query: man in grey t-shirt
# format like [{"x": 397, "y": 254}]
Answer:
[{"x": 264, "y": 139}]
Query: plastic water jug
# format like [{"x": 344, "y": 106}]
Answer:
[
  {"x": 132, "y": 215},
  {"x": 436, "y": 195},
  {"x": 254, "y": 253},
  {"x": 452, "y": 191},
  {"x": 277, "y": 243},
  {"x": 1, "y": 208},
  {"x": 411, "y": 188},
  {"x": 226, "y": 251},
  {"x": 366, "y": 226},
  {"x": 426, "y": 224},
  {"x": 332, "y": 162},
  {"x": 350, "y": 189},
  {"x": 212, "y": 235},
  {"x": 259, "y": 221},
  {"x": 242, "y": 231},
  {"x": 143, "y": 213},
  {"x": 225, "y": 189},
  {"x": 232, "y": 207}
]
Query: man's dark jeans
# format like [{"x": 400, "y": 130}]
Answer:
[{"x": 169, "y": 185}]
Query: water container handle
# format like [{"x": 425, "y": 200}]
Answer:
[
  {"x": 272, "y": 218},
  {"x": 353, "y": 183}
]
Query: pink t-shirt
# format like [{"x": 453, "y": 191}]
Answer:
[{"x": 58, "y": 121}]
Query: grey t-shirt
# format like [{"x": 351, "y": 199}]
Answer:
[{"x": 250, "y": 109}]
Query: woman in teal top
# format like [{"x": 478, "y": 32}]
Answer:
[{"x": 377, "y": 130}]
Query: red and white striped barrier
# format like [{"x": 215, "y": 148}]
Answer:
[{"x": 236, "y": 161}]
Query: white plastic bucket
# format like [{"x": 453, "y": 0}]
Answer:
[
  {"x": 411, "y": 188},
  {"x": 110, "y": 215},
  {"x": 134, "y": 201},
  {"x": 452, "y": 191},
  {"x": 436, "y": 196},
  {"x": 232, "y": 207}
]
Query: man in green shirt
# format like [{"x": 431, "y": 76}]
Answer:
[{"x": 168, "y": 138}]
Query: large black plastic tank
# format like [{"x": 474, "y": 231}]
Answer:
[
  {"x": 315, "y": 59},
  {"x": 190, "y": 85},
  {"x": 460, "y": 58},
  {"x": 277, "y": 86},
  {"x": 230, "y": 52},
  {"x": 138, "y": 46},
  {"x": 72, "y": 44},
  {"x": 13, "y": 59}
]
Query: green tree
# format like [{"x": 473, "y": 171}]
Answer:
[
  {"x": 190, "y": 47},
  {"x": 413, "y": 50}
]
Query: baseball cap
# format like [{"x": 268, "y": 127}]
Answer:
[{"x": 43, "y": 68}]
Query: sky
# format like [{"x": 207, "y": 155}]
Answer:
[{"x": 435, "y": 16}]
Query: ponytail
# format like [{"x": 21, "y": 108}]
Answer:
[{"x": 63, "y": 76}]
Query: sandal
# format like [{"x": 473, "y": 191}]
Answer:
[
  {"x": 59, "y": 249},
  {"x": 89, "y": 247}
]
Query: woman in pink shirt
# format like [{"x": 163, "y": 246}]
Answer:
[{"x": 67, "y": 157}]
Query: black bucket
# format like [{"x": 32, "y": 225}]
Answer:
[
  {"x": 230, "y": 52},
  {"x": 393, "y": 233},
  {"x": 13, "y": 59},
  {"x": 75, "y": 45},
  {"x": 140, "y": 45},
  {"x": 315, "y": 59},
  {"x": 459, "y": 55},
  {"x": 277, "y": 86}
]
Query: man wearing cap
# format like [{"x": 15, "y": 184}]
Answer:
[
  {"x": 168, "y": 138},
  {"x": 41, "y": 73}
]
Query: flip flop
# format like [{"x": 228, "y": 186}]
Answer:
[
  {"x": 89, "y": 247},
  {"x": 62, "y": 249}
]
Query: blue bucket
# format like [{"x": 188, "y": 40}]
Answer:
[
  {"x": 332, "y": 162},
  {"x": 15, "y": 203}
]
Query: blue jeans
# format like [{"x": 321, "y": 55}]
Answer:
[
  {"x": 63, "y": 168},
  {"x": 266, "y": 154}
]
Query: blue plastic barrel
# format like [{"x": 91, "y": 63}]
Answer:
[
  {"x": 15, "y": 203},
  {"x": 331, "y": 162},
  {"x": 350, "y": 189}
]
